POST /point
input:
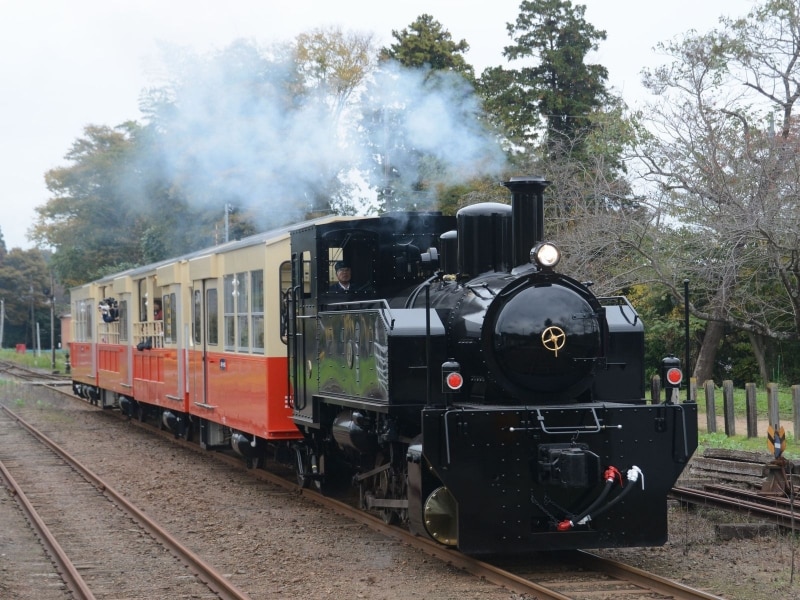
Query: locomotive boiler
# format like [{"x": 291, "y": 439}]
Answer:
[{"x": 471, "y": 389}]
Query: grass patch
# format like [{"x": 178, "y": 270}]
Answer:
[
  {"x": 29, "y": 359},
  {"x": 741, "y": 442},
  {"x": 785, "y": 404}
]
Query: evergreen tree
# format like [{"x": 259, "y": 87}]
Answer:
[
  {"x": 24, "y": 288},
  {"x": 426, "y": 44},
  {"x": 559, "y": 90}
]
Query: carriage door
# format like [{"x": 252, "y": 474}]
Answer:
[
  {"x": 301, "y": 332},
  {"x": 205, "y": 337}
]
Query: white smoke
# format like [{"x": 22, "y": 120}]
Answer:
[{"x": 237, "y": 131}]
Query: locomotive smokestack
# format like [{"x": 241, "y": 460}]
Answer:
[{"x": 527, "y": 215}]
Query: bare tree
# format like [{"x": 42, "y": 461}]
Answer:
[{"x": 725, "y": 179}]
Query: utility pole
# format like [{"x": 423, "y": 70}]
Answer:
[
  {"x": 52, "y": 323},
  {"x": 33, "y": 323},
  {"x": 228, "y": 210}
]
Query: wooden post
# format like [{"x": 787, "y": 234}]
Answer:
[
  {"x": 727, "y": 407},
  {"x": 773, "y": 410},
  {"x": 711, "y": 410},
  {"x": 796, "y": 410},
  {"x": 693, "y": 389},
  {"x": 751, "y": 409},
  {"x": 655, "y": 390}
]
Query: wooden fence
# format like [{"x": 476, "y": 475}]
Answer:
[{"x": 751, "y": 411}]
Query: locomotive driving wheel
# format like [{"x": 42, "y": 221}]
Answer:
[{"x": 388, "y": 484}]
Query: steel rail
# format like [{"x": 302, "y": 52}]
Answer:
[
  {"x": 210, "y": 576},
  {"x": 69, "y": 573},
  {"x": 725, "y": 501},
  {"x": 651, "y": 581}
]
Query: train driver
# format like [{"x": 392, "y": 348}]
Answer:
[{"x": 343, "y": 275}]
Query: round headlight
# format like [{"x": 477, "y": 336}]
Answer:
[{"x": 545, "y": 255}]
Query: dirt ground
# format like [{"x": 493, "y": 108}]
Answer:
[{"x": 275, "y": 545}]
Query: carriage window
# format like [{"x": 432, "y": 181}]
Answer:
[
  {"x": 142, "y": 285},
  {"x": 229, "y": 314},
  {"x": 237, "y": 330},
  {"x": 123, "y": 320},
  {"x": 83, "y": 320},
  {"x": 242, "y": 301},
  {"x": 257, "y": 309},
  {"x": 357, "y": 255},
  {"x": 170, "y": 319},
  {"x": 196, "y": 316},
  {"x": 212, "y": 318}
]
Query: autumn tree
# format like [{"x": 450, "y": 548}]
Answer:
[
  {"x": 333, "y": 66},
  {"x": 728, "y": 179}
]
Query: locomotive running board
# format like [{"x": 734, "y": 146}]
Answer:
[{"x": 385, "y": 503}]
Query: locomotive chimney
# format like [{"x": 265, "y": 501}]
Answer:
[{"x": 527, "y": 215}]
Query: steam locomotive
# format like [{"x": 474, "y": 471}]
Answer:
[
  {"x": 461, "y": 383},
  {"x": 494, "y": 403}
]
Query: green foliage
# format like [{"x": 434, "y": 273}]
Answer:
[
  {"x": 426, "y": 44},
  {"x": 727, "y": 164},
  {"x": 25, "y": 286},
  {"x": 664, "y": 326},
  {"x": 91, "y": 219}
]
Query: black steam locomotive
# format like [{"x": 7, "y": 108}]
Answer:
[{"x": 469, "y": 388}]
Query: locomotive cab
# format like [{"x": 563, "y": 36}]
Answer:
[{"x": 351, "y": 250}]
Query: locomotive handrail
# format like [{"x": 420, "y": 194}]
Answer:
[
  {"x": 686, "y": 454},
  {"x": 571, "y": 429},
  {"x": 292, "y": 366},
  {"x": 621, "y": 302},
  {"x": 389, "y": 322}
]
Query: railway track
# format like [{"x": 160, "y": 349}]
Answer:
[
  {"x": 67, "y": 505},
  {"x": 12, "y": 370},
  {"x": 781, "y": 510},
  {"x": 544, "y": 576}
]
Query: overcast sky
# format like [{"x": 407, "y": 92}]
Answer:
[{"x": 70, "y": 63}]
